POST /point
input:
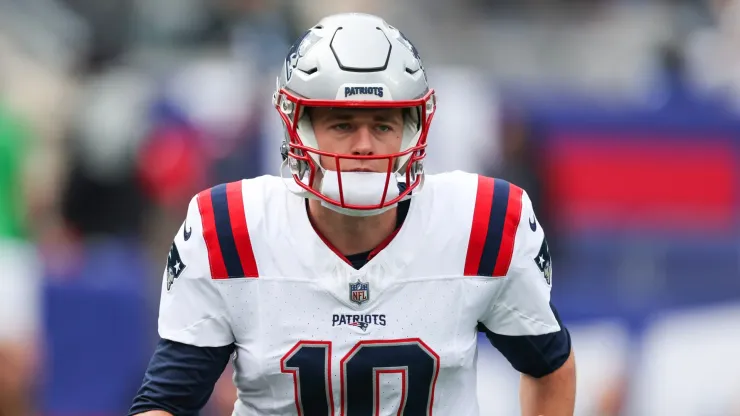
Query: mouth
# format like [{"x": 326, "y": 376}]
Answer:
[{"x": 360, "y": 170}]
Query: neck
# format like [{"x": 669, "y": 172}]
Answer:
[{"x": 348, "y": 234}]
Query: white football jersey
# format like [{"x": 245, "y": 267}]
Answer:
[{"x": 315, "y": 336}]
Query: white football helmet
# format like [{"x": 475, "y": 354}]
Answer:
[{"x": 358, "y": 61}]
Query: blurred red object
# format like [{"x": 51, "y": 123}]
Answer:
[
  {"x": 643, "y": 181},
  {"x": 172, "y": 166}
]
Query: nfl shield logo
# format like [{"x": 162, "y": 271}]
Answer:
[{"x": 359, "y": 292}]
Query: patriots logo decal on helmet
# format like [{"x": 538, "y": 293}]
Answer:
[{"x": 298, "y": 50}]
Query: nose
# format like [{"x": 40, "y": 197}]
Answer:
[{"x": 363, "y": 142}]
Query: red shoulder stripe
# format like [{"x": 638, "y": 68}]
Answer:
[
  {"x": 215, "y": 257},
  {"x": 235, "y": 198},
  {"x": 511, "y": 224},
  {"x": 479, "y": 230}
]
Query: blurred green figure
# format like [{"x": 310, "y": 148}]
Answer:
[
  {"x": 19, "y": 272},
  {"x": 14, "y": 144}
]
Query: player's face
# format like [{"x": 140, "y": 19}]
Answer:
[{"x": 369, "y": 132}]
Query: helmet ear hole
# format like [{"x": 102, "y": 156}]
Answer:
[{"x": 284, "y": 149}]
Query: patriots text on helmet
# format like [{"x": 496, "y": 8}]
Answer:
[{"x": 350, "y": 91}]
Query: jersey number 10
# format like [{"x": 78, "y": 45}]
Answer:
[{"x": 360, "y": 370}]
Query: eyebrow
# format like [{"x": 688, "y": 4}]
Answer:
[{"x": 349, "y": 116}]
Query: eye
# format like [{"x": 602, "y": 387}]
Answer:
[
  {"x": 341, "y": 126},
  {"x": 385, "y": 128}
]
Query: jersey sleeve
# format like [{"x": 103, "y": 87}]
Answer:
[
  {"x": 192, "y": 310},
  {"x": 180, "y": 378},
  {"x": 521, "y": 306}
]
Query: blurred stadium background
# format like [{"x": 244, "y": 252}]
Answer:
[{"x": 620, "y": 117}]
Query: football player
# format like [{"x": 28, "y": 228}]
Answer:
[{"x": 358, "y": 284}]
